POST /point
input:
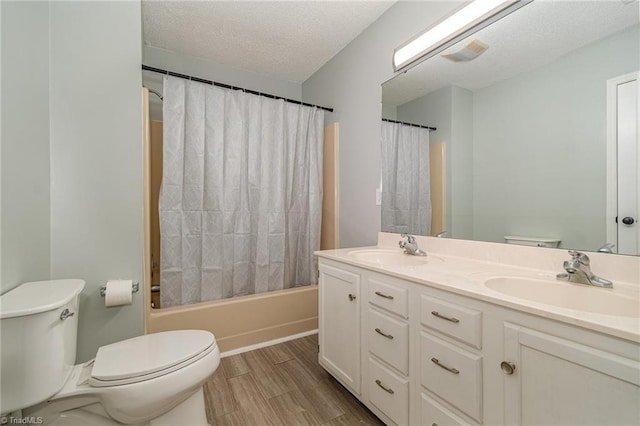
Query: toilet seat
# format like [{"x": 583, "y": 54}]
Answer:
[{"x": 146, "y": 357}]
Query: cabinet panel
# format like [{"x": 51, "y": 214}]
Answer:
[
  {"x": 339, "y": 324},
  {"x": 453, "y": 374},
  {"x": 388, "y": 296},
  {"x": 462, "y": 324},
  {"x": 557, "y": 381},
  {"x": 389, "y": 392},
  {"x": 389, "y": 340},
  {"x": 433, "y": 413}
]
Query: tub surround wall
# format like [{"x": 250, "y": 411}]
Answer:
[{"x": 247, "y": 320}]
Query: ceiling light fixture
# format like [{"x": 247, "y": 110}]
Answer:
[{"x": 466, "y": 21}]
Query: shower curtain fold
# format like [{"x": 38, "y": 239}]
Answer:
[
  {"x": 241, "y": 193},
  {"x": 406, "y": 188}
]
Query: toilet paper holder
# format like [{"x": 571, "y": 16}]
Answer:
[{"x": 135, "y": 286}]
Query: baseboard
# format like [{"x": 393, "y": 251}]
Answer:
[{"x": 267, "y": 343}]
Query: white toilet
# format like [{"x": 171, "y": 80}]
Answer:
[{"x": 154, "y": 379}]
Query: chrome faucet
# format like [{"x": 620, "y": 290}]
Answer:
[
  {"x": 579, "y": 271},
  {"x": 607, "y": 248},
  {"x": 410, "y": 246}
]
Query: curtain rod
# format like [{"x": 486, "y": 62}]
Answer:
[
  {"x": 227, "y": 86},
  {"x": 431, "y": 129}
]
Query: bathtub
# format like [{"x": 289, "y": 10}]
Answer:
[{"x": 245, "y": 321}]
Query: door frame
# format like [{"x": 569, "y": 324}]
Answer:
[{"x": 612, "y": 154}]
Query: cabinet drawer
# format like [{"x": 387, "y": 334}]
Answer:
[
  {"x": 460, "y": 323},
  {"x": 389, "y": 340},
  {"x": 389, "y": 392},
  {"x": 434, "y": 414},
  {"x": 452, "y": 373},
  {"x": 391, "y": 297}
]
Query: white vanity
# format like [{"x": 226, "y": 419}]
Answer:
[{"x": 448, "y": 340}]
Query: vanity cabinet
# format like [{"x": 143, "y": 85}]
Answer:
[
  {"x": 339, "y": 320},
  {"x": 386, "y": 327},
  {"x": 419, "y": 355},
  {"x": 555, "y": 380}
]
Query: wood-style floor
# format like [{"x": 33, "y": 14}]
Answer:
[{"x": 280, "y": 385}]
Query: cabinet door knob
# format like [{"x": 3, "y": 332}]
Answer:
[
  {"x": 352, "y": 297},
  {"x": 507, "y": 367}
]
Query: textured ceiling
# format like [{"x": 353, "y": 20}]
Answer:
[
  {"x": 287, "y": 40},
  {"x": 531, "y": 37}
]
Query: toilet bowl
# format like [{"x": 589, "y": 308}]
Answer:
[{"x": 134, "y": 381}]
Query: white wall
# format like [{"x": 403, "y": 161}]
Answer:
[
  {"x": 350, "y": 83},
  {"x": 96, "y": 160},
  {"x": 25, "y": 199},
  {"x": 209, "y": 70},
  {"x": 546, "y": 131}
]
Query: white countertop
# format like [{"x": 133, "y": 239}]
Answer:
[{"x": 466, "y": 277}]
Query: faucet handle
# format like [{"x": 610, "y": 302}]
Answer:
[{"x": 579, "y": 256}]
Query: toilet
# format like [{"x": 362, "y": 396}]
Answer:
[{"x": 155, "y": 379}]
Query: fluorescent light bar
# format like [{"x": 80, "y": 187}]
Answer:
[{"x": 465, "y": 19}]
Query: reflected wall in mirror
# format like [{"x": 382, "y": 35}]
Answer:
[{"x": 531, "y": 126}]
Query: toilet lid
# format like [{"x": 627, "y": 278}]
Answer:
[{"x": 148, "y": 356}]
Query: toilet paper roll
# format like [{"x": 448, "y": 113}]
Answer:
[{"x": 118, "y": 293}]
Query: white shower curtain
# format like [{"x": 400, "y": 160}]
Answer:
[
  {"x": 406, "y": 192},
  {"x": 241, "y": 195}
]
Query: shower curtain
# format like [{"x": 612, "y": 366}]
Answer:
[
  {"x": 406, "y": 193},
  {"x": 241, "y": 196}
]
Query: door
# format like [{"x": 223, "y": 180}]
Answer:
[
  {"x": 339, "y": 324},
  {"x": 623, "y": 157},
  {"x": 549, "y": 380}
]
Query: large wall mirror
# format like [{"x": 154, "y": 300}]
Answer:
[{"x": 536, "y": 126}]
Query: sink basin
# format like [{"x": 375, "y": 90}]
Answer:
[
  {"x": 389, "y": 258},
  {"x": 567, "y": 295}
]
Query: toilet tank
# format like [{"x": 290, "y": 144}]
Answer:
[
  {"x": 532, "y": 241},
  {"x": 39, "y": 324}
]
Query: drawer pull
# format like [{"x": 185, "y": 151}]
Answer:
[
  {"x": 386, "y": 389},
  {"x": 382, "y": 333},
  {"x": 449, "y": 369},
  {"x": 444, "y": 317},
  {"x": 386, "y": 296}
]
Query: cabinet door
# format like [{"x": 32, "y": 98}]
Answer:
[
  {"x": 339, "y": 324},
  {"x": 560, "y": 382}
]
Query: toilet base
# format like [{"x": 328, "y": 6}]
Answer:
[{"x": 189, "y": 412}]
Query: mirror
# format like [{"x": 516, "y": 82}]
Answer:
[{"x": 528, "y": 129}]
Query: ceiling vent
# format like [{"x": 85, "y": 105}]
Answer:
[{"x": 471, "y": 50}]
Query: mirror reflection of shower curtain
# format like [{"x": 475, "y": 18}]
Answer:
[
  {"x": 406, "y": 193},
  {"x": 241, "y": 196}
]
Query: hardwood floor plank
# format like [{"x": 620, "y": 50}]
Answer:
[
  {"x": 234, "y": 366},
  {"x": 218, "y": 397},
  {"x": 354, "y": 408},
  {"x": 306, "y": 351},
  {"x": 281, "y": 385},
  {"x": 297, "y": 372},
  {"x": 235, "y": 418},
  {"x": 254, "y": 408},
  {"x": 269, "y": 381},
  {"x": 291, "y": 409},
  {"x": 277, "y": 354}
]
